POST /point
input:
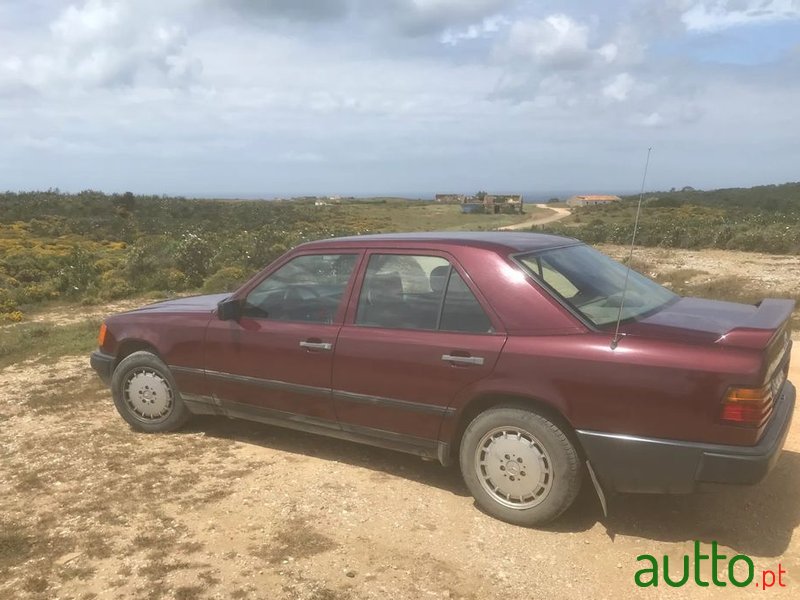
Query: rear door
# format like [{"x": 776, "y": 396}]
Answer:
[
  {"x": 416, "y": 333},
  {"x": 277, "y": 359}
]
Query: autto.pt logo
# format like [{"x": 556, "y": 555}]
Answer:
[{"x": 704, "y": 570}]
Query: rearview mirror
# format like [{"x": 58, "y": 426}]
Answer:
[{"x": 229, "y": 310}]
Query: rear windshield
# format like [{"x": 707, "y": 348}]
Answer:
[{"x": 591, "y": 283}]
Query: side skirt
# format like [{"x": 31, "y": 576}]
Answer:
[{"x": 207, "y": 405}]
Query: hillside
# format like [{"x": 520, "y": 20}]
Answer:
[{"x": 759, "y": 219}]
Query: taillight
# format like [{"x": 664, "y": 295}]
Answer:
[
  {"x": 747, "y": 406},
  {"x": 101, "y": 335}
]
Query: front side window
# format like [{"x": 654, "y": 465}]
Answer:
[
  {"x": 418, "y": 292},
  {"x": 592, "y": 283},
  {"x": 307, "y": 288}
]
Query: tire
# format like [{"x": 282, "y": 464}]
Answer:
[
  {"x": 145, "y": 394},
  {"x": 519, "y": 466}
]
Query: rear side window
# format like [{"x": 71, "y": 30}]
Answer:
[
  {"x": 462, "y": 311},
  {"x": 418, "y": 292}
]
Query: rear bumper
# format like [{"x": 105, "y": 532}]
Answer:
[
  {"x": 103, "y": 364},
  {"x": 632, "y": 464}
]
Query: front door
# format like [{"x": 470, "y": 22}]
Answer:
[
  {"x": 276, "y": 360},
  {"x": 415, "y": 337}
]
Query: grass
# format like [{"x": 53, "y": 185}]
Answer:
[
  {"x": 46, "y": 341},
  {"x": 422, "y": 216}
]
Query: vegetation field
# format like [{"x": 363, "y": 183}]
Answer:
[
  {"x": 759, "y": 219},
  {"x": 93, "y": 247}
]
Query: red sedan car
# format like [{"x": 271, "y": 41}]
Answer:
[{"x": 497, "y": 350}]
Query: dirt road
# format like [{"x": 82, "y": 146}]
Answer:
[{"x": 560, "y": 213}]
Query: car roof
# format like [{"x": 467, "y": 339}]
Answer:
[{"x": 493, "y": 240}]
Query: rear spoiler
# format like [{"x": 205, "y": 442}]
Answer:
[{"x": 767, "y": 325}]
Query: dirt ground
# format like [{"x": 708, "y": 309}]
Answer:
[
  {"x": 768, "y": 272},
  {"x": 230, "y": 509}
]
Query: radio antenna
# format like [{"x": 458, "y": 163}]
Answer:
[{"x": 615, "y": 339}]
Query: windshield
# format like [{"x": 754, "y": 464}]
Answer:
[{"x": 591, "y": 283}]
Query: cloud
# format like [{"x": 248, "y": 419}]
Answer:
[
  {"x": 486, "y": 28},
  {"x": 359, "y": 96},
  {"x": 619, "y": 87},
  {"x": 302, "y": 10},
  {"x": 718, "y": 15},
  {"x": 105, "y": 44},
  {"x": 413, "y": 18},
  {"x": 556, "y": 41}
]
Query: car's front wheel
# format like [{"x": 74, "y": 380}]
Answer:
[
  {"x": 520, "y": 466},
  {"x": 145, "y": 394}
]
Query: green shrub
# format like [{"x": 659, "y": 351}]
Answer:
[
  {"x": 226, "y": 279},
  {"x": 193, "y": 256},
  {"x": 114, "y": 286},
  {"x": 15, "y": 316}
]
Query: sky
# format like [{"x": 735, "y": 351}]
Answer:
[{"x": 409, "y": 97}]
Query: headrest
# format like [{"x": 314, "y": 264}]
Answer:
[
  {"x": 384, "y": 287},
  {"x": 439, "y": 278}
]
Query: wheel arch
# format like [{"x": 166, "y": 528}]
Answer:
[
  {"x": 129, "y": 346},
  {"x": 488, "y": 400}
]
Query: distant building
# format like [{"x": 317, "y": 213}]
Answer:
[
  {"x": 451, "y": 198},
  {"x": 592, "y": 200},
  {"x": 506, "y": 203},
  {"x": 484, "y": 203}
]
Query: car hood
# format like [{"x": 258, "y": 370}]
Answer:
[
  {"x": 694, "y": 319},
  {"x": 190, "y": 304}
]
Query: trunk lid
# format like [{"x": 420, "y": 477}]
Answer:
[{"x": 754, "y": 326}]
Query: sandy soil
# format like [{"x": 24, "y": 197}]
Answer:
[
  {"x": 764, "y": 271},
  {"x": 68, "y": 315},
  {"x": 230, "y": 509}
]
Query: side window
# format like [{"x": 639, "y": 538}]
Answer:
[
  {"x": 556, "y": 280},
  {"x": 307, "y": 288},
  {"x": 402, "y": 291},
  {"x": 418, "y": 292},
  {"x": 461, "y": 310},
  {"x": 552, "y": 277}
]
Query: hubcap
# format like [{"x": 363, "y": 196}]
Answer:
[
  {"x": 148, "y": 395},
  {"x": 514, "y": 467}
]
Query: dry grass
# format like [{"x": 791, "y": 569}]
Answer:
[{"x": 296, "y": 539}]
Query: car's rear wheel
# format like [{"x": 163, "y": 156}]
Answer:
[
  {"x": 520, "y": 466},
  {"x": 145, "y": 394}
]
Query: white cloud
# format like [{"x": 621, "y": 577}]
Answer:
[
  {"x": 556, "y": 41},
  {"x": 619, "y": 87},
  {"x": 609, "y": 52},
  {"x": 486, "y": 28},
  {"x": 105, "y": 43},
  {"x": 723, "y": 14},
  {"x": 361, "y": 97}
]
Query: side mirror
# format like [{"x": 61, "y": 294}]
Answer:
[{"x": 229, "y": 310}]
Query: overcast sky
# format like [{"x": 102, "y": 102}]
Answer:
[{"x": 274, "y": 97}]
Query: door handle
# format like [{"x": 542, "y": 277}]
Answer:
[
  {"x": 316, "y": 345},
  {"x": 464, "y": 360}
]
